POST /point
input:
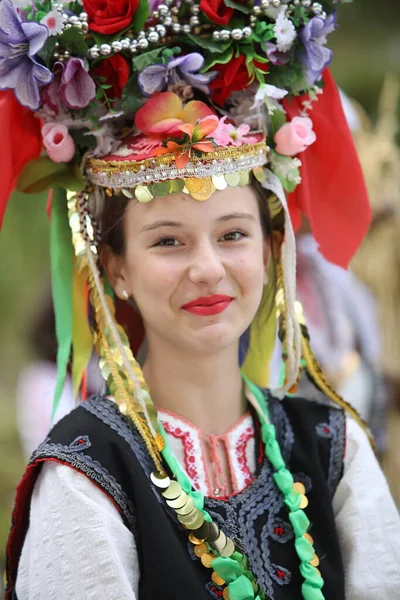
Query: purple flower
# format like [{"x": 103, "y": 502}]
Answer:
[
  {"x": 275, "y": 56},
  {"x": 20, "y": 41},
  {"x": 156, "y": 78},
  {"x": 72, "y": 86},
  {"x": 316, "y": 56}
]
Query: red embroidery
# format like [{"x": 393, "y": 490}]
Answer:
[
  {"x": 189, "y": 450},
  {"x": 279, "y": 531},
  {"x": 241, "y": 447},
  {"x": 280, "y": 574},
  {"x": 326, "y": 430}
]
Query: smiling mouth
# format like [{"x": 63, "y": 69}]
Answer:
[{"x": 208, "y": 305}]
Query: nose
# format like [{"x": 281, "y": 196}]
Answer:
[{"x": 206, "y": 265}]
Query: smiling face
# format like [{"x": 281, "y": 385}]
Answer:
[{"x": 195, "y": 269}]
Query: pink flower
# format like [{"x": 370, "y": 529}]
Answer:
[
  {"x": 294, "y": 137},
  {"x": 58, "y": 143},
  {"x": 226, "y": 134}
]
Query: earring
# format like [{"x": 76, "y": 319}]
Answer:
[{"x": 125, "y": 294}]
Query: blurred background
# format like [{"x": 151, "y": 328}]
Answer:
[{"x": 366, "y": 52}]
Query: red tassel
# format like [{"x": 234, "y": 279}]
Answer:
[
  {"x": 20, "y": 140},
  {"x": 332, "y": 193}
]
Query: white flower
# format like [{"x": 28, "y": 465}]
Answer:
[
  {"x": 285, "y": 32},
  {"x": 268, "y": 95},
  {"x": 54, "y": 22}
]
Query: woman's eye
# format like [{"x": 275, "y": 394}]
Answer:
[
  {"x": 234, "y": 236},
  {"x": 168, "y": 241}
]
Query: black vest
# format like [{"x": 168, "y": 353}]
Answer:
[{"x": 97, "y": 440}]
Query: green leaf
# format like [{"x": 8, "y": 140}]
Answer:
[
  {"x": 42, "y": 174},
  {"x": 208, "y": 44},
  {"x": 132, "y": 98},
  {"x": 276, "y": 120},
  {"x": 81, "y": 140},
  {"x": 141, "y": 15},
  {"x": 241, "y": 7},
  {"x": 148, "y": 58},
  {"x": 221, "y": 59},
  {"x": 73, "y": 41},
  {"x": 46, "y": 53}
]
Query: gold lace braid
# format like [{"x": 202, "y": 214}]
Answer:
[{"x": 125, "y": 384}]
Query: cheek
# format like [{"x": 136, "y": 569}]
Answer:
[
  {"x": 248, "y": 270},
  {"x": 151, "y": 278}
]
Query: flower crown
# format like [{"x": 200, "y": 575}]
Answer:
[{"x": 190, "y": 79}]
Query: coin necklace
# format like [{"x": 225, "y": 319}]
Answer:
[{"x": 217, "y": 551}]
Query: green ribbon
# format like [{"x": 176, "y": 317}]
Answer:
[{"x": 61, "y": 260}]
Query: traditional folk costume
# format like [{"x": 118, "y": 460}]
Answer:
[{"x": 123, "y": 501}]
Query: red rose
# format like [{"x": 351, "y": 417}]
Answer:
[
  {"x": 115, "y": 70},
  {"x": 109, "y": 16},
  {"x": 216, "y": 11},
  {"x": 231, "y": 77}
]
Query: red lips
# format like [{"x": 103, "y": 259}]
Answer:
[{"x": 208, "y": 305}]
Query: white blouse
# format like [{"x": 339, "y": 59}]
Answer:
[{"x": 78, "y": 546}]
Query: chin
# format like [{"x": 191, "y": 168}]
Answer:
[{"x": 212, "y": 337}]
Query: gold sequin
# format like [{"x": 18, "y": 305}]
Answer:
[
  {"x": 187, "y": 508},
  {"x": 217, "y": 579},
  {"x": 195, "y": 540},
  {"x": 299, "y": 487},
  {"x": 315, "y": 561},
  {"x": 225, "y": 593},
  {"x": 304, "y": 502},
  {"x": 232, "y": 179},
  {"x": 309, "y": 538},
  {"x": 200, "y": 188},
  {"x": 160, "y": 480},
  {"x": 219, "y": 182},
  {"x": 228, "y": 549},
  {"x": 179, "y": 502},
  {"x": 206, "y": 559},
  {"x": 173, "y": 491},
  {"x": 143, "y": 194},
  {"x": 200, "y": 550},
  {"x": 219, "y": 543}
]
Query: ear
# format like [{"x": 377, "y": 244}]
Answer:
[{"x": 113, "y": 265}]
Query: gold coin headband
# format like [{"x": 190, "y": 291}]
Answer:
[{"x": 145, "y": 178}]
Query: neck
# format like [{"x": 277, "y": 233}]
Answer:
[{"x": 204, "y": 389}]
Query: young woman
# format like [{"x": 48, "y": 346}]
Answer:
[{"x": 186, "y": 478}]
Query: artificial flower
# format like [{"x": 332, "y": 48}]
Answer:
[
  {"x": 77, "y": 88},
  {"x": 227, "y": 134},
  {"x": 20, "y": 41},
  {"x": 285, "y": 32},
  {"x": 295, "y": 136},
  {"x": 275, "y": 56},
  {"x": 156, "y": 78},
  {"x": 316, "y": 56},
  {"x": 164, "y": 113},
  {"x": 268, "y": 95},
  {"x": 115, "y": 71},
  {"x": 58, "y": 143},
  {"x": 109, "y": 16},
  {"x": 216, "y": 11},
  {"x": 232, "y": 76},
  {"x": 54, "y": 22},
  {"x": 196, "y": 139}
]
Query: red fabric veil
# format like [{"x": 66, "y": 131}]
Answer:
[{"x": 332, "y": 193}]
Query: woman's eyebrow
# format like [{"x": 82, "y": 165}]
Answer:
[
  {"x": 157, "y": 224},
  {"x": 236, "y": 215}
]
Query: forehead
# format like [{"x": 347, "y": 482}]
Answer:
[{"x": 183, "y": 209}]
